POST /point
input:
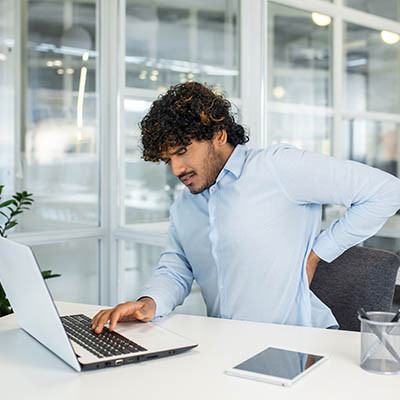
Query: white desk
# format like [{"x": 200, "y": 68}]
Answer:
[{"x": 29, "y": 371}]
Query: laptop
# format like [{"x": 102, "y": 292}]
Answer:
[{"x": 70, "y": 337}]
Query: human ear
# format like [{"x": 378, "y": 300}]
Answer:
[{"x": 221, "y": 137}]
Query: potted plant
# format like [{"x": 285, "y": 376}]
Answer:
[{"x": 9, "y": 210}]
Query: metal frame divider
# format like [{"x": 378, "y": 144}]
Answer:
[
  {"x": 253, "y": 68},
  {"x": 109, "y": 121}
]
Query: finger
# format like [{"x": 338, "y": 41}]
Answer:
[
  {"x": 114, "y": 318},
  {"x": 97, "y": 317},
  {"x": 124, "y": 312},
  {"x": 102, "y": 321}
]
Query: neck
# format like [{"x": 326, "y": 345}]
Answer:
[{"x": 226, "y": 152}]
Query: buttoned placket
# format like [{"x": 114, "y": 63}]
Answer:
[{"x": 214, "y": 240}]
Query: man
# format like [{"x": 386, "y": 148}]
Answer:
[{"x": 247, "y": 225}]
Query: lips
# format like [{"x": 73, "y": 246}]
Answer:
[{"x": 187, "y": 179}]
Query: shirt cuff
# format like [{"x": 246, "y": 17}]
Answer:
[
  {"x": 326, "y": 248},
  {"x": 161, "y": 310}
]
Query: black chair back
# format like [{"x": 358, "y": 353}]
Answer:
[{"x": 360, "y": 277}]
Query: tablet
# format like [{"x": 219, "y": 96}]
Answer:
[{"x": 278, "y": 366}]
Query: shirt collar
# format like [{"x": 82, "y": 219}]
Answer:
[
  {"x": 234, "y": 165},
  {"x": 235, "y": 162}
]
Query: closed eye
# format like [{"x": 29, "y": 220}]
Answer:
[{"x": 179, "y": 152}]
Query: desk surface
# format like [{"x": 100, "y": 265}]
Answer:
[{"x": 29, "y": 371}]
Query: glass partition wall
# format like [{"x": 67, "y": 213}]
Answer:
[
  {"x": 333, "y": 85},
  {"x": 299, "y": 74},
  {"x": 166, "y": 43},
  {"x": 59, "y": 150},
  {"x": 49, "y": 143},
  {"x": 77, "y": 76}
]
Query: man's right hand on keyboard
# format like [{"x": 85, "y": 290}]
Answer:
[{"x": 144, "y": 310}]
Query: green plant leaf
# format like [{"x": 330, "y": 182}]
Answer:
[
  {"x": 2, "y": 292},
  {"x": 47, "y": 274},
  {"x": 10, "y": 225},
  {"x": 7, "y": 203},
  {"x": 5, "y": 308}
]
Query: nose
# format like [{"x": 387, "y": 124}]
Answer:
[{"x": 176, "y": 166}]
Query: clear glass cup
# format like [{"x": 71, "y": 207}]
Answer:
[{"x": 380, "y": 343}]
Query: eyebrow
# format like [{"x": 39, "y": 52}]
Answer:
[
  {"x": 167, "y": 156},
  {"x": 177, "y": 150}
]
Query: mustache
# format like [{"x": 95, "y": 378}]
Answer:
[{"x": 181, "y": 176}]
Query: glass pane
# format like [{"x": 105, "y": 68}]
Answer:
[
  {"x": 7, "y": 97},
  {"x": 59, "y": 155},
  {"x": 374, "y": 143},
  {"x": 76, "y": 261},
  {"x": 299, "y": 56},
  {"x": 150, "y": 188},
  {"x": 172, "y": 42},
  {"x": 308, "y": 132},
  {"x": 387, "y": 8},
  {"x": 372, "y": 70},
  {"x": 138, "y": 262}
]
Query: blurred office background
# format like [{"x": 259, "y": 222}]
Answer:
[{"x": 76, "y": 77}]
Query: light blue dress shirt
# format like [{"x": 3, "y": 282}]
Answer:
[{"x": 246, "y": 239}]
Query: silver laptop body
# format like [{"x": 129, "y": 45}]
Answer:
[{"x": 37, "y": 314}]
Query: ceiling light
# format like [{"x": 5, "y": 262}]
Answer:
[
  {"x": 50, "y": 63},
  {"x": 320, "y": 19},
  {"x": 390, "y": 37},
  {"x": 142, "y": 75},
  {"x": 69, "y": 71},
  {"x": 57, "y": 63},
  {"x": 3, "y": 57},
  {"x": 60, "y": 71},
  {"x": 279, "y": 92},
  {"x": 153, "y": 77},
  {"x": 85, "y": 56}
]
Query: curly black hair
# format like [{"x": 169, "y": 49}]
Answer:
[{"x": 187, "y": 111}]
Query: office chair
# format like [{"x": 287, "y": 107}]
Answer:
[{"x": 360, "y": 277}]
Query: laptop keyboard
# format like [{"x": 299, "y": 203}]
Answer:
[{"x": 105, "y": 344}]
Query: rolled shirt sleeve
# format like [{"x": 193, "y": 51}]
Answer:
[
  {"x": 172, "y": 280},
  {"x": 370, "y": 195}
]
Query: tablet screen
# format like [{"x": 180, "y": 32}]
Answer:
[{"x": 279, "y": 363}]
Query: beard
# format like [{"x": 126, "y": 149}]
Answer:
[{"x": 212, "y": 167}]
